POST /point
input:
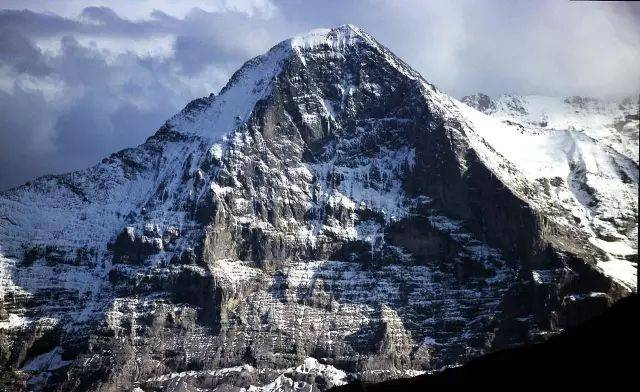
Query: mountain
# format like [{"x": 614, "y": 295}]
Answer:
[{"x": 328, "y": 216}]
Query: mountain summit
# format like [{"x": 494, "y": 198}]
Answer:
[{"x": 328, "y": 216}]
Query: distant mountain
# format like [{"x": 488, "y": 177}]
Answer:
[
  {"x": 590, "y": 144},
  {"x": 328, "y": 216},
  {"x": 613, "y": 123}
]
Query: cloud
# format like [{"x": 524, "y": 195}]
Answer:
[
  {"x": 20, "y": 54},
  {"x": 73, "y": 90},
  {"x": 21, "y": 134},
  {"x": 78, "y": 82}
]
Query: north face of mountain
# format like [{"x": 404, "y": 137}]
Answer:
[{"x": 328, "y": 216}]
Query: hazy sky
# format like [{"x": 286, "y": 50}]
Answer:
[{"x": 79, "y": 80}]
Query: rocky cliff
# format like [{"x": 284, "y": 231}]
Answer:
[{"x": 328, "y": 216}]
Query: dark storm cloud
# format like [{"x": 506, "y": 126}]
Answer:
[
  {"x": 79, "y": 83},
  {"x": 19, "y": 130},
  {"x": 35, "y": 23},
  {"x": 20, "y": 54},
  {"x": 103, "y": 100}
]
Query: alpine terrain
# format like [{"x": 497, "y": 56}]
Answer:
[{"x": 329, "y": 216}]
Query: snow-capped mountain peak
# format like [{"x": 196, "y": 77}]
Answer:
[
  {"x": 328, "y": 203},
  {"x": 254, "y": 80}
]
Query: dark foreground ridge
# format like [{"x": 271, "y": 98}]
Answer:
[{"x": 600, "y": 353}]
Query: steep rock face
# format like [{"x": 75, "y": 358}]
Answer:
[{"x": 329, "y": 203}]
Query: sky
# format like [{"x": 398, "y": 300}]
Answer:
[{"x": 80, "y": 80}]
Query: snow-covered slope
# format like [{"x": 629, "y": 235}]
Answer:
[
  {"x": 584, "y": 153},
  {"x": 328, "y": 203},
  {"x": 613, "y": 123}
]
